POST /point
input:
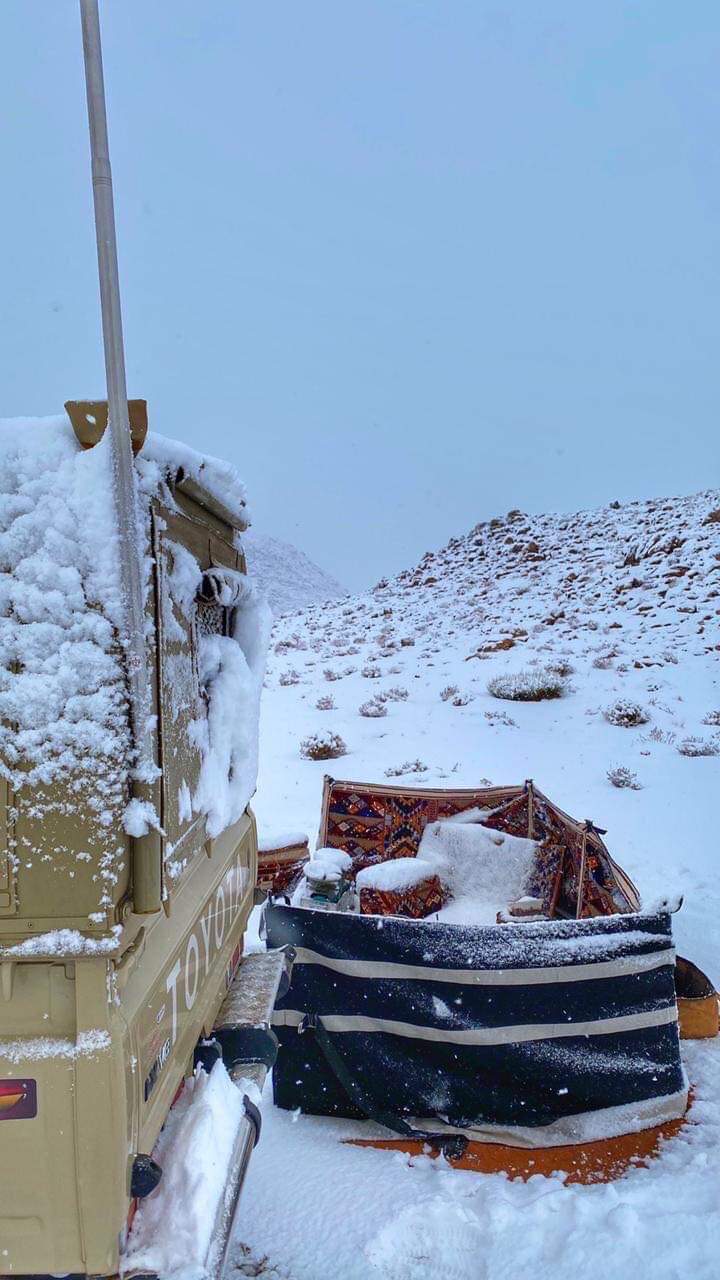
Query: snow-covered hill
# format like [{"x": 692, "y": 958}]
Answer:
[
  {"x": 291, "y": 579},
  {"x": 623, "y": 603}
]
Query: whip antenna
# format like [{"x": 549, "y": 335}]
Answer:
[{"x": 118, "y": 416}]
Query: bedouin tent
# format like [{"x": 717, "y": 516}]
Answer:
[{"x": 535, "y": 1034}]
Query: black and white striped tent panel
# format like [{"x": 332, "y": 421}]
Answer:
[{"x": 525, "y": 1027}]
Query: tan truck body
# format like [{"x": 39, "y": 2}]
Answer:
[{"x": 96, "y": 1037}]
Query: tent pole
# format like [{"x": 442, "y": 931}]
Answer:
[
  {"x": 583, "y": 860},
  {"x": 130, "y": 544}
]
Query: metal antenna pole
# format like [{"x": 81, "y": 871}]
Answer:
[{"x": 118, "y": 418}]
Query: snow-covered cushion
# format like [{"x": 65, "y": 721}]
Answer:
[{"x": 483, "y": 869}]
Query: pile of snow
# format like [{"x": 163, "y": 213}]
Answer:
[
  {"x": 63, "y": 942},
  {"x": 63, "y": 694},
  {"x": 62, "y": 686},
  {"x": 327, "y": 865},
  {"x": 268, "y": 840},
  {"x": 484, "y": 870},
  {"x": 415, "y": 1218},
  {"x": 40, "y": 1048},
  {"x": 397, "y": 874},
  {"x": 290, "y": 579},
  {"x": 172, "y": 1229},
  {"x": 231, "y": 670},
  {"x": 161, "y": 460}
]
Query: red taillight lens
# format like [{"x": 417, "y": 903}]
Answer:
[{"x": 18, "y": 1099}]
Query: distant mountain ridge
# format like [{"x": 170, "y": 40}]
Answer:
[{"x": 291, "y": 579}]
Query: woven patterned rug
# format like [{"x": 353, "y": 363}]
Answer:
[{"x": 574, "y": 874}]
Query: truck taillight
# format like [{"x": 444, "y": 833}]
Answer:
[{"x": 18, "y": 1099}]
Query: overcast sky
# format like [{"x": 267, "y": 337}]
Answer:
[{"x": 408, "y": 263}]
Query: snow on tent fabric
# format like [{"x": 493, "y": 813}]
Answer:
[{"x": 552, "y": 1026}]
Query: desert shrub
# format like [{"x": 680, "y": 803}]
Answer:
[
  {"x": 323, "y": 745},
  {"x": 561, "y": 667},
  {"x": 395, "y": 694},
  {"x": 603, "y": 662},
  {"x": 325, "y": 703},
  {"x": 621, "y": 777},
  {"x": 370, "y": 671},
  {"x": 712, "y": 718},
  {"x": 626, "y": 714},
  {"x": 448, "y": 692},
  {"x": 294, "y": 641},
  {"x": 410, "y": 766},
  {"x": 698, "y": 747},
  {"x": 527, "y": 686},
  {"x": 289, "y": 677},
  {"x": 373, "y": 709}
]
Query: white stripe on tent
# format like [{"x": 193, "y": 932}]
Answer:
[
  {"x": 340, "y": 1022},
  {"x": 586, "y": 1126},
  {"x": 490, "y": 977}
]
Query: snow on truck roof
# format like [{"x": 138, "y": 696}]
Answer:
[
  {"x": 63, "y": 700},
  {"x": 159, "y": 461}
]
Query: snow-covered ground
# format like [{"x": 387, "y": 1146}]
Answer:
[
  {"x": 624, "y": 600},
  {"x": 290, "y": 579}
]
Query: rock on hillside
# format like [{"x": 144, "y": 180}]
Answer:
[{"x": 292, "y": 580}]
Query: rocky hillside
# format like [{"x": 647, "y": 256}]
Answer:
[
  {"x": 292, "y": 580},
  {"x": 649, "y": 571},
  {"x": 608, "y": 617}
]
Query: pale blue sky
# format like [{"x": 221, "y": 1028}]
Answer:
[{"x": 409, "y": 263}]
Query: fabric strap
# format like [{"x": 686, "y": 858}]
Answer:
[{"x": 451, "y": 1144}]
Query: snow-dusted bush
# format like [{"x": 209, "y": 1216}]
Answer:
[
  {"x": 329, "y": 674},
  {"x": 373, "y": 709},
  {"x": 699, "y": 747},
  {"x": 289, "y": 677},
  {"x": 561, "y": 667},
  {"x": 325, "y": 703},
  {"x": 294, "y": 641},
  {"x": 395, "y": 694},
  {"x": 712, "y": 718},
  {"x": 626, "y": 714},
  {"x": 527, "y": 686},
  {"x": 621, "y": 777},
  {"x": 370, "y": 671},
  {"x": 448, "y": 692},
  {"x": 410, "y": 766},
  {"x": 461, "y": 699},
  {"x": 323, "y": 745},
  {"x": 603, "y": 662}
]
